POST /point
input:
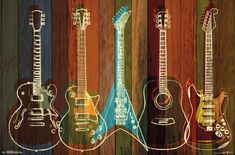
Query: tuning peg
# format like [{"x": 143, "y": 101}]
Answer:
[
  {"x": 43, "y": 15},
  {"x": 89, "y": 23},
  {"x": 88, "y": 14},
  {"x": 43, "y": 23}
]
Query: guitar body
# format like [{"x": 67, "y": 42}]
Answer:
[
  {"x": 80, "y": 122},
  {"x": 34, "y": 124},
  {"x": 126, "y": 119},
  {"x": 163, "y": 119},
  {"x": 217, "y": 137}
]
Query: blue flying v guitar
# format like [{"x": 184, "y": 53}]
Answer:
[{"x": 118, "y": 112}]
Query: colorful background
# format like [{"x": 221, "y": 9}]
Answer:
[{"x": 185, "y": 56}]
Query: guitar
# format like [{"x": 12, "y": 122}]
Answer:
[
  {"x": 33, "y": 125},
  {"x": 162, "y": 100},
  {"x": 208, "y": 118},
  {"x": 82, "y": 119},
  {"x": 118, "y": 112}
]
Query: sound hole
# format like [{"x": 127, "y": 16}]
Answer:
[{"x": 163, "y": 101}]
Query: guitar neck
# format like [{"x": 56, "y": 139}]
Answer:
[
  {"x": 119, "y": 59},
  {"x": 37, "y": 67},
  {"x": 81, "y": 62},
  {"x": 208, "y": 83},
  {"x": 162, "y": 62}
]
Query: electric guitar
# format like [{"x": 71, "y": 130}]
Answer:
[
  {"x": 208, "y": 118},
  {"x": 162, "y": 100},
  {"x": 33, "y": 125},
  {"x": 118, "y": 112},
  {"x": 82, "y": 119}
]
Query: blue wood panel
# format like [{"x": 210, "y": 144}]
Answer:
[{"x": 25, "y": 45}]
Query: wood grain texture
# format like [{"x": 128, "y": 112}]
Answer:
[
  {"x": 185, "y": 57},
  {"x": 59, "y": 13},
  {"x": 8, "y": 68},
  {"x": 224, "y": 56},
  {"x": 125, "y": 147},
  {"x": 92, "y": 49},
  {"x": 106, "y": 62},
  {"x": 139, "y": 57},
  {"x": 182, "y": 50},
  {"x": 26, "y": 44}
]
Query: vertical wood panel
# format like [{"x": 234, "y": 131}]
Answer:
[
  {"x": 106, "y": 62},
  {"x": 8, "y": 68},
  {"x": 26, "y": 46},
  {"x": 139, "y": 57},
  {"x": 224, "y": 56},
  {"x": 201, "y": 5},
  {"x": 59, "y": 32},
  {"x": 124, "y": 147}
]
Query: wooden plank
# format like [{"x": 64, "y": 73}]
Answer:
[
  {"x": 201, "y": 5},
  {"x": 92, "y": 49},
  {"x": 187, "y": 53},
  {"x": 224, "y": 56},
  {"x": 124, "y": 147},
  {"x": 106, "y": 62},
  {"x": 8, "y": 68},
  {"x": 26, "y": 45},
  {"x": 59, "y": 32},
  {"x": 139, "y": 63}
]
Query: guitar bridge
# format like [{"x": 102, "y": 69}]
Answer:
[{"x": 163, "y": 121}]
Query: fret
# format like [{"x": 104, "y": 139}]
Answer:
[
  {"x": 120, "y": 65},
  {"x": 208, "y": 83},
  {"x": 162, "y": 62},
  {"x": 36, "y": 61},
  {"x": 81, "y": 62}
]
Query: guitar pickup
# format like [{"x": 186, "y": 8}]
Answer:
[
  {"x": 209, "y": 106},
  {"x": 209, "y": 121},
  {"x": 209, "y": 113},
  {"x": 37, "y": 98},
  {"x": 36, "y": 112},
  {"x": 82, "y": 116}
]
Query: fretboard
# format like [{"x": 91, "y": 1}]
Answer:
[
  {"x": 37, "y": 78},
  {"x": 208, "y": 83},
  {"x": 162, "y": 62},
  {"x": 119, "y": 59},
  {"x": 81, "y": 63}
]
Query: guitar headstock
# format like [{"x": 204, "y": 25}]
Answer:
[
  {"x": 121, "y": 17},
  {"x": 163, "y": 19},
  {"x": 81, "y": 18},
  {"x": 36, "y": 19},
  {"x": 209, "y": 23}
]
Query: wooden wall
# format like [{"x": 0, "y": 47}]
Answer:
[{"x": 185, "y": 57}]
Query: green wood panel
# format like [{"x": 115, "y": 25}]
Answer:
[
  {"x": 9, "y": 67},
  {"x": 123, "y": 140}
]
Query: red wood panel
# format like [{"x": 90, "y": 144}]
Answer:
[{"x": 59, "y": 15}]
